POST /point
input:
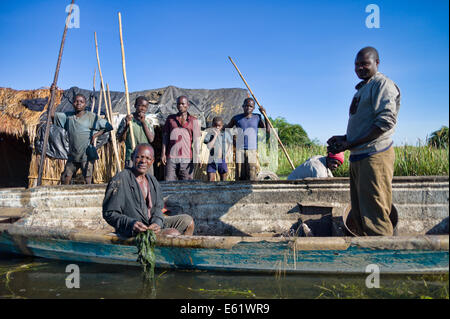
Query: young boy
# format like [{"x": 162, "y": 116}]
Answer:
[
  {"x": 247, "y": 164},
  {"x": 217, "y": 142},
  {"x": 143, "y": 131},
  {"x": 80, "y": 126}
]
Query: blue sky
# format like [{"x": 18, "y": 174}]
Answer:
[{"x": 297, "y": 56}]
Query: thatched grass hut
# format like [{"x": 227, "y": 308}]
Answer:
[{"x": 17, "y": 134}]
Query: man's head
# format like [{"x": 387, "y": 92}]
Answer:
[
  {"x": 335, "y": 160},
  {"x": 141, "y": 104},
  {"x": 143, "y": 157},
  {"x": 248, "y": 106},
  {"x": 79, "y": 103},
  {"x": 217, "y": 122},
  {"x": 182, "y": 104},
  {"x": 366, "y": 63}
]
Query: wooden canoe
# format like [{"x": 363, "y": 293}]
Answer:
[{"x": 242, "y": 226}]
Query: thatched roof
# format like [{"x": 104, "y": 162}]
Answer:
[{"x": 15, "y": 118}]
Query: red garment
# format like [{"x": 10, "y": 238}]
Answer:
[
  {"x": 339, "y": 156},
  {"x": 182, "y": 134}
]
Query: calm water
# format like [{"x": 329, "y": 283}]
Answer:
[{"x": 42, "y": 278}]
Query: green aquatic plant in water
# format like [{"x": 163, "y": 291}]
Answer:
[
  {"x": 8, "y": 271},
  {"x": 225, "y": 292},
  {"x": 411, "y": 287},
  {"x": 145, "y": 242}
]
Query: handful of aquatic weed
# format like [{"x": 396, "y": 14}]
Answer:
[{"x": 145, "y": 242}]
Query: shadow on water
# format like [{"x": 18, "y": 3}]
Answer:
[{"x": 40, "y": 278}]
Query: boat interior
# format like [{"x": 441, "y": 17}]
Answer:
[{"x": 306, "y": 208}]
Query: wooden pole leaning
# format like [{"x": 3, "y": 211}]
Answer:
[
  {"x": 100, "y": 101},
  {"x": 93, "y": 98},
  {"x": 113, "y": 132},
  {"x": 52, "y": 100},
  {"x": 127, "y": 96},
  {"x": 265, "y": 115},
  {"x": 107, "y": 110}
]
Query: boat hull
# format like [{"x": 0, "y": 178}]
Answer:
[{"x": 302, "y": 255}]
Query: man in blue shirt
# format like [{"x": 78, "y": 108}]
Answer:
[{"x": 247, "y": 164}]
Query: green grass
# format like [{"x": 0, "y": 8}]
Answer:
[{"x": 409, "y": 160}]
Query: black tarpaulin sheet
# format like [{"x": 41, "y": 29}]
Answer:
[{"x": 204, "y": 103}]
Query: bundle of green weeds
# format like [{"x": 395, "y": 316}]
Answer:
[{"x": 145, "y": 242}]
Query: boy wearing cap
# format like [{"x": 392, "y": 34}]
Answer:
[{"x": 318, "y": 166}]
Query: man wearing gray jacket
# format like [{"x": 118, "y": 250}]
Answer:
[
  {"x": 372, "y": 119},
  {"x": 133, "y": 201}
]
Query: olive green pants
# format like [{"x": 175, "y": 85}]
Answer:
[{"x": 371, "y": 194}]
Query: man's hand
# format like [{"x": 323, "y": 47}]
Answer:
[
  {"x": 141, "y": 118},
  {"x": 337, "y": 144},
  {"x": 139, "y": 227},
  {"x": 337, "y": 148},
  {"x": 262, "y": 110},
  {"x": 94, "y": 136},
  {"x": 336, "y": 139},
  {"x": 155, "y": 227},
  {"x": 93, "y": 139},
  {"x": 163, "y": 159},
  {"x": 128, "y": 119}
]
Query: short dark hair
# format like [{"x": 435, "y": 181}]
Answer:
[
  {"x": 182, "y": 96},
  {"x": 369, "y": 50},
  {"x": 248, "y": 99},
  {"x": 140, "y": 99},
  {"x": 133, "y": 154},
  {"x": 79, "y": 94},
  {"x": 217, "y": 119}
]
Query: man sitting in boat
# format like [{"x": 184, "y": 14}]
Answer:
[
  {"x": 133, "y": 201},
  {"x": 318, "y": 166}
]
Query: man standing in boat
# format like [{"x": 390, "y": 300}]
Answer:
[
  {"x": 133, "y": 201},
  {"x": 83, "y": 128},
  {"x": 247, "y": 163},
  {"x": 181, "y": 134},
  {"x": 142, "y": 130},
  {"x": 372, "y": 119}
]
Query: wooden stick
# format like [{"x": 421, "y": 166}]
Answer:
[
  {"x": 113, "y": 138},
  {"x": 113, "y": 135},
  {"x": 52, "y": 99},
  {"x": 100, "y": 100},
  {"x": 93, "y": 98},
  {"x": 265, "y": 115},
  {"x": 133, "y": 142}
]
